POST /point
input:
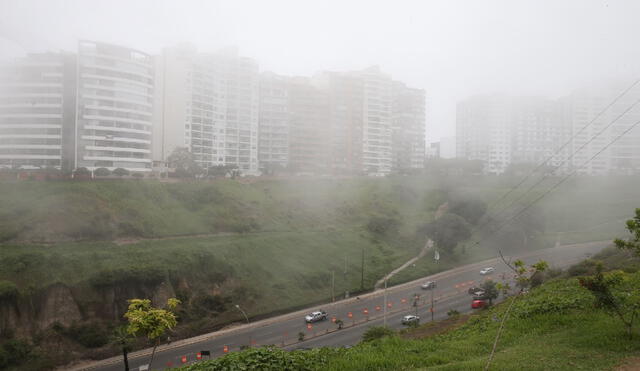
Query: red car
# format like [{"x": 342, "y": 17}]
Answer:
[{"x": 478, "y": 304}]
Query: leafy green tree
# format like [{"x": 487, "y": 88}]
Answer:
[
  {"x": 102, "y": 171},
  {"x": 120, "y": 172},
  {"x": 490, "y": 290},
  {"x": 151, "y": 322},
  {"x": 184, "y": 163},
  {"x": 617, "y": 293},
  {"x": 376, "y": 332},
  {"x": 470, "y": 210},
  {"x": 633, "y": 243},
  {"x": 447, "y": 231}
]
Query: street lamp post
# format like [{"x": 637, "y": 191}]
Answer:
[
  {"x": 247, "y": 318},
  {"x": 384, "y": 315}
]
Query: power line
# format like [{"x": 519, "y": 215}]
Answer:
[
  {"x": 558, "y": 150},
  {"x": 562, "y": 180},
  {"x": 532, "y": 187}
]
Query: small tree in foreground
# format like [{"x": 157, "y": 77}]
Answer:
[
  {"x": 151, "y": 322},
  {"x": 617, "y": 293},
  {"x": 123, "y": 340},
  {"x": 490, "y": 290},
  {"x": 633, "y": 243}
]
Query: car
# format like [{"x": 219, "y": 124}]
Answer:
[
  {"x": 476, "y": 304},
  {"x": 480, "y": 296},
  {"x": 410, "y": 319},
  {"x": 474, "y": 290},
  {"x": 316, "y": 316},
  {"x": 487, "y": 270},
  {"x": 428, "y": 285}
]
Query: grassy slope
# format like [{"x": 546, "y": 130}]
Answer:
[{"x": 555, "y": 327}]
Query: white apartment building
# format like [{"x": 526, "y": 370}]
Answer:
[
  {"x": 483, "y": 131},
  {"x": 583, "y": 106},
  {"x": 32, "y": 111},
  {"x": 273, "y": 121},
  {"x": 408, "y": 123},
  {"x": 114, "y": 107},
  {"x": 377, "y": 156},
  {"x": 208, "y": 103},
  {"x": 502, "y": 130}
]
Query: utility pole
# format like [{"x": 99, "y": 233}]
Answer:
[
  {"x": 432, "y": 290},
  {"x": 384, "y": 315},
  {"x": 333, "y": 286},
  {"x": 362, "y": 270}
]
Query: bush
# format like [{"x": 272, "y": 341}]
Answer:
[
  {"x": 376, "y": 332},
  {"x": 82, "y": 171},
  {"x": 120, "y": 172},
  {"x": 90, "y": 335},
  {"x": 8, "y": 291},
  {"x": 14, "y": 352},
  {"x": 102, "y": 171}
]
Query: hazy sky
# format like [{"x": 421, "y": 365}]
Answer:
[{"x": 452, "y": 49}]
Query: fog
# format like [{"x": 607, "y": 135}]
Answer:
[{"x": 452, "y": 49}]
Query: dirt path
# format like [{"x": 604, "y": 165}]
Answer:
[{"x": 427, "y": 246}]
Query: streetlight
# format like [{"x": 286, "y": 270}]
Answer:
[
  {"x": 247, "y": 318},
  {"x": 385, "y": 301}
]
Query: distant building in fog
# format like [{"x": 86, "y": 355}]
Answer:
[
  {"x": 621, "y": 157},
  {"x": 91, "y": 109},
  {"x": 115, "y": 107},
  {"x": 34, "y": 111},
  {"x": 447, "y": 147},
  {"x": 501, "y": 130},
  {"x": 408, "y": 127},
  {"x": 208, "y": 103}
]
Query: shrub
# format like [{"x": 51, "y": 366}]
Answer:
[
  {"x": 102, "y": 171},
  {"x": 376, "y": 332},
  {"x": 8, "y": 291},
  {"x": 90, "y": 335},
  {"x": 120, "y": 172},
  {"x": 14, "y": 352}
]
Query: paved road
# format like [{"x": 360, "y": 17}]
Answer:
[{"x": 451, "y": 293}]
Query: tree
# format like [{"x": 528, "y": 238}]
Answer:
[
  {"x": 470, "y": 210},
  {"x": 633, "y": 243},
  {"x": 120, "y": 172},
  {"x": 184, "y": 163},
  {"x": 122, "y": 338},
  {"x": 102, "y": 171},
  {"x": 151, "y": 322},
  {"x": 490, "y": 290},
  {"x": 617, "y": 293},
  {"x": 447, "y": 231}
]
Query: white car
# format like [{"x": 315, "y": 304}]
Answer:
[
  {"x": 316, "y": 316},
  {"x": 407, "y": 320},
  {"x": 487, "y": 270},
  {"x": 428, "y": 285}
]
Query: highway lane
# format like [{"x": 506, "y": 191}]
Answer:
[{"x": 451, "y": 293}]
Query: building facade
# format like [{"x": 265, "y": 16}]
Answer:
[
  {"x": 408, "y": 127},
  {"x": 37, "y": 108},
  {"x": 114, "y": 107},
  {"x": 208, "y": 103},
  {"x": 273, "y": 122}
]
